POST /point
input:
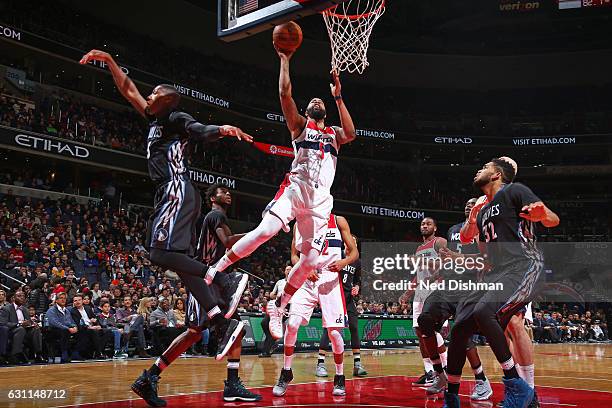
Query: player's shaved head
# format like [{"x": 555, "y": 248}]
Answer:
[{"x": 163, "y": 100}]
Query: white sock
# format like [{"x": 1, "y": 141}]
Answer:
[
  {"x": 223, "y": 263},
  {"x": 340, "y": 369},
  {"x": 288, "y": 361},
  {"x": 427, "y": 364},
  {"x": 527, "y": 373},
  {"x": 444, "y": 358}
]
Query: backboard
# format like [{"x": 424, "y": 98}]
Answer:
[{"x": 241, "y": 18}]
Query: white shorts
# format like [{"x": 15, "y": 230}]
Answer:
[
  {"x": 309, "y": 206},
  {"x": 328, "y": 293},
  {"x": 417, "y": 309}
]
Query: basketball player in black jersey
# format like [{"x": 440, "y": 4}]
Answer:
[
  {"x": 350, "y": 276},
  {"x": 506, "y": 229},
  {"x": 441, "y": 305},
  {"x": 171, "y": 232},
  {"x": 215, "y": 238}
]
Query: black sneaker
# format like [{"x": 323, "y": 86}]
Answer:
[
  {"x": 425, "y": 380},
  {"x": 229, "y": 331},
  {"x": 232, "y": 292},
  {"x": 286, "y": 376},
  {"x": 145, "y": 387},
  {"x": 234, "y": 391},
  {"x": 339, "y": 385}
]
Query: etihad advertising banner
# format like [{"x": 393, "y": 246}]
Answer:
[{"x": 209, "y": 98}]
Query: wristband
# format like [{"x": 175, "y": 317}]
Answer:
[{"x": 337, "y": 97}]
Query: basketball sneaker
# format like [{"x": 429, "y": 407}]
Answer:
[
  {"x": 229, "y": 331},
  {"x": 276, "y": 319},
  {"x": 339, "y": 385},
  {"x": 233, "y": 290},
  {"x": 286, "y": 376},
  {"x": 439, "y": 384},
  {"x": 535, "y": 402},
  {"x": 145, "y": 387},
  {"x": 235, "y": 391},
  {"x": 425, "y": 380},
  {"x": 321, "y": 370},
  {"x": 482, "y": 390},
  {"x": 359, "y": 371},
  {"x": 451, "y": 400},
  {"x": 517, "y": 393}
]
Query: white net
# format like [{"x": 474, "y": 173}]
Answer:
[{"x": 349, "y": 26}]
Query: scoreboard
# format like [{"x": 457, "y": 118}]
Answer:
[
  {"x": 241, "y": 18},
  {"x": 574, "y": 4}
]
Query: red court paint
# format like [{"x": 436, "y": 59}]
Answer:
[{"x": 393, "y": 391}]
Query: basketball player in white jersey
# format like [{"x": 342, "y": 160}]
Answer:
[
  {"x": 304, "y": 195},
  {"x": 322, "y": 287},
  {"x": 516, "y": 335},
  {"x": 426, "y": 251}
]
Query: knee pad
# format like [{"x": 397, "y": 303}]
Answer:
[
  {"x": 336, "y": 340},
  {"x": 426, "y": 324}
]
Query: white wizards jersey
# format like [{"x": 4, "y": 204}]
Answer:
[
  {"x": 316, "y": 153},
  {"x": 425, "y": 252},
  {"x": 332, "y": 248}
]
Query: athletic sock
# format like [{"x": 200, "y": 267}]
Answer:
[
  {"x": 339, "y": 361},
  {"x": 357, "y": 359},
  {"x": 232, "y": 369},
  {"x": 479, "y": 373},
  {"x": 160, "y": 365},
  {"x": 437, "y": 365},
  {"x": 321, "y": 359},
  {"x": 288, "y": 357},
  {"x": 427, "y": 364},
  {"x": 527, "y": 373},
  {"x": 509, "y": 369}
]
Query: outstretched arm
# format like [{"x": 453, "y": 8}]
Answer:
[
  {"x": 123, "y": 82},
  {"x": 346, "y": 134},
  {"x": 295, "y": 121}
]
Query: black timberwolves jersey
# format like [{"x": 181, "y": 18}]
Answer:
[
  {"x": 210, "y": 247},
  {"x": 508, "y": 237},
  {"x": 168, "y": 144}
]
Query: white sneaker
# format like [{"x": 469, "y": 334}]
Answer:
[
  {"x": 276, "y": 319},
  {"x": 321, "y": 370}
]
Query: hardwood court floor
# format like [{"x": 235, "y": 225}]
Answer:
[{"x": 567, "y": 375}]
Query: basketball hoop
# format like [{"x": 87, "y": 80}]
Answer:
[{"x": 349, "y": 26}]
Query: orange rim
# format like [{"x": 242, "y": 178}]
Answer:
[{"x": 330, "y": 12}]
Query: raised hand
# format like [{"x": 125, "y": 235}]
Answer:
[
  {"x": 335, "y": 87},
  {"x": 481, "y": 202},
  {"x": 227, "y": 130},
  {"x": 283, "y": 54},
  {"x": 535, "y": 212},
  {"x": 95, "y": 55}
]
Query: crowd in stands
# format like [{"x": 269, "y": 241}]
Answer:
[
  {"x": 554, "y": 325},
  {"x": 91, "y": 259}
]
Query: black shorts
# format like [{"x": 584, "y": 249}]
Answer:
[
  {"x": 517, "y": 288},
  {"x": 441, "y": 305},
  {"x": 196, "y": 317},
  {"x": 351, "y": 309},
  {"x": 173, "y": 224}
]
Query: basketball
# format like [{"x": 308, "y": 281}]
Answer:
[{"x": 287, "y": 37}]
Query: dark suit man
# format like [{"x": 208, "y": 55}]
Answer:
[
  {"x": 22, "y": 330},
  {"x": 90, "y": 332}
]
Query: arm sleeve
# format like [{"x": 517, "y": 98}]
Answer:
[
  {"x": 196, "y": 131},
  {"x": 522, "y": 195}
]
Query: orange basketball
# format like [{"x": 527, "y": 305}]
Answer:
[{"x": 287, "y": 37}]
